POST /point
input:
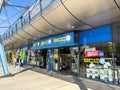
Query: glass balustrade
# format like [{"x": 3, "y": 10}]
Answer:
[
  {"x": 32, "y": 12},
  {"x": 10, "y": 32},
  {"x": 35, "y": 10},
  {"x": 18, "y": 24},
  {"x": 46, "y": 3}
]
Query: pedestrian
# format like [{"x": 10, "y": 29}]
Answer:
[
  {"x": 18, "y": 63},
  {"x": 14, "y": 62}
]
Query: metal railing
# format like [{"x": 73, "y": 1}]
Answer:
[{"x": 31, "y": 13}]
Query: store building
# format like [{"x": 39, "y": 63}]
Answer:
[
  {"x": 99, "y": 54},
  {"x": 91, "y": 54},
  {"x": 58, "y": 52},
  {"x": 23, "y": 53}
]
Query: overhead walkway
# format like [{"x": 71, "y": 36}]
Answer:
[{"x": 50, "y": 17}]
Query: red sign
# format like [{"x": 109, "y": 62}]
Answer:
[{"x": 92, "y": 53}]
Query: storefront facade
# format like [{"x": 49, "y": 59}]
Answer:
[
  {"x": 92, "y": 54},
  {"x": 97, "y": 55},
  {"x": 57, "y": 55},
  {"x": 23, "y": 53}
]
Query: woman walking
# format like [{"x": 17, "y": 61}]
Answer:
[{"x": 18, "y": 63}]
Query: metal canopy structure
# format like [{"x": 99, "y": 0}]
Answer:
[
  {"x": 3, "y": 5},
  {"x": 2, "y": 54},
  {"x": 50, "y": 17},
  {"x": 10, "y": 11}
]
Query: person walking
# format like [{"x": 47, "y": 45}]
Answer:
[
  {"x": 18, "y": 63},
  {"x": 14, "y": 61}
]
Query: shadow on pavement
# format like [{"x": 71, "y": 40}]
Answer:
[
  {"x": 11, "y": 75},
  {"x": 79, "y": 83},
  {"x": 21, "y": 71}
]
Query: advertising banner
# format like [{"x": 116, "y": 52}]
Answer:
[
  {"x": 92, "y": 53},
  {"x": 55, "y": 41}
]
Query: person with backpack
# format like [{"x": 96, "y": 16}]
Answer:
[{"x": 18, "y": 64}]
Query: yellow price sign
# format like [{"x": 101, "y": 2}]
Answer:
[
  {"x": 55, "y": 56},
  {"x": 89, "y": 60}
]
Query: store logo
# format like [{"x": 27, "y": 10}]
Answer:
[
  {"x": 102, "y": 61},
  {"x": 49, "y": 41},
  {"x": 92, "y": 53},
  {"x": 62, "y": 39},
  {"x": 36, "y": 44},
  {"x": 45, "y": 42},
  {"x": 68, "y": 37},
  {"x": 101, "y": 53},
  {"x": 89, "y": 60}
]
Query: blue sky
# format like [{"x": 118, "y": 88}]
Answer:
[{"x": 12, "y": 12}]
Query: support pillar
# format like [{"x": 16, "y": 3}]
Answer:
[
  {"x": 50, "y": 61},
  {"x": 3, "y": 60}
]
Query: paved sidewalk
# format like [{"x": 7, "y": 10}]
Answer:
[
  {"x": 31, "y": 80},
  {"x": 11, "y": 68},
  {"x": 35, "y": 78},
  {"x": 83, "y": 83}
]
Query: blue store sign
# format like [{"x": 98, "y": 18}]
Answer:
[
  {"x": 63, "y": 39},
  {"x": 102, "y": 34},
  {"x": 55, "y": 41}
]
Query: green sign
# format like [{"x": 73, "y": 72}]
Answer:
[
  {"x": 36, "y": 44},
  {"x": 60, "y": 39},
  {"x": 89, "y": 60},
  {"x": 46, "y": 42},
  {"x": 55, "y": 41}
]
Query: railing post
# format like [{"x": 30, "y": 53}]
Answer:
[
  {"x": 29, "y": 16},
  {"x": 16, "y": 28},
  {"x": 21, "y": 21}
]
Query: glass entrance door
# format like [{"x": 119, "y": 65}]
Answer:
[{"x": 74, "y": 60}]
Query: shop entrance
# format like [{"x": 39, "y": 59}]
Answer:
[
  {"x": 65, "y": 62},
  {"x": 44, "y": 55},
  {"x": 62, "y": 61}
]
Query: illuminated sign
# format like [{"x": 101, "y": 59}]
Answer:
[
  {"x": 102, "y": 61},
  {"x": 62, "y": 39},
  {"x": 55, "y": 56},
  {"x": 45, "y": 42},
  {"x": 36, "y": 44},
  {"x": 89, "y": 49},
  {"x": 89, "y": 60},
  {"x": 66, "y": 39},
  {"x": 92, "y": 53}
]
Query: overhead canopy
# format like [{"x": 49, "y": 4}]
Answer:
[{"x": 59, "y": 16}]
